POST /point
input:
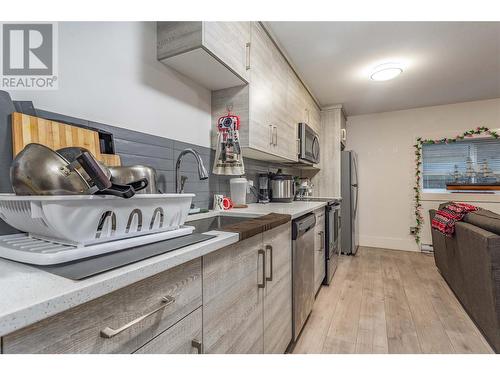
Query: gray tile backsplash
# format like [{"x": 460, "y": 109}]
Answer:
[{"x": 160, "y": 153}]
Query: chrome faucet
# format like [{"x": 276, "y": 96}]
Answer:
[{"x": 202, "y": 172}]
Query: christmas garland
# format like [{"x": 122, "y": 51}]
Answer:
[{"x": 418, "y": 169}]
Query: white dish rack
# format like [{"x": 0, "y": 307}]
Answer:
[{"x": 85, "y": 220}]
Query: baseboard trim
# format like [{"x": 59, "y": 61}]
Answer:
[{"x": 389, "y": 243}]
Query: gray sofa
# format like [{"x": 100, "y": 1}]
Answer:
[{"x": 470, "y": 263}]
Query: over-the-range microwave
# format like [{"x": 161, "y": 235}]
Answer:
[{"x": 309, "y": 144}]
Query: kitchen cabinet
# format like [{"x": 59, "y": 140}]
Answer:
[
  {"x": 247, "y": 292},
  {"x": 248, "y": 74},
  {"x": 327, "y": 180},
  {"x": 261, "y": 127},
  {"x": 160, "y": 301},
  {"x": 319, "y": 249},
  {"x": 270, "y": 107},
  {"x": 313, "y": 115},
  {"x": 300, "y": 105},
  {"x": 269, "y": 128},
  {"x": 183, "y": 337},
  {"x": 232, "y": 299},
  {"x": 215, "y": 54},
  {"x": 278, "y": 291}
]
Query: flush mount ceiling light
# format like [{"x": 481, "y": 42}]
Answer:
[{"x": 385, "y": 72}]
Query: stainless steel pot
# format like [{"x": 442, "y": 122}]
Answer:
[
  {"x": 127, "y": 175},
  {"x": 282, "y": 187},
  {"x": 38, "y": 170}
]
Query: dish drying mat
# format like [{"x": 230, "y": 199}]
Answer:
[
  {"x": 28, "y": 249},
  {"x": 84, "y": 268}
]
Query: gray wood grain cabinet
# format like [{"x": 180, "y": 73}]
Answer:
[
  {"x": 184, "y": 337},
  {"x": 319, "y": 249},
  {"x": 144, "y": 310},
  {"x": 271, "y": 106},
  {"x": 278, "y": 291},
  {"x": 214, "y": 54},
  {"x": 247, "y": 292},
  {"x": 268, "y": 131}
]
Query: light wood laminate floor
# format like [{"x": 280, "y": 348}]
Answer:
[{"x": 387, "y": 301}]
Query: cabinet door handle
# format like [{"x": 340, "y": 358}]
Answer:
[
  {"x": 198, "y": 345},
  {"x": 109, "y": 333},
  {"x": 271, "y": 135},
  {"x": 321, "y": 234},
  {"x": 298, "y": 146},
  {"x": 263, "y": 283},
  {"x": 275, "y": 135},
  {"x": 270, "y": 248},
  {"x": 248, "y": 46}
]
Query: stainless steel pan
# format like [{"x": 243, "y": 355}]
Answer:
[{"x": 138, "y": 182}]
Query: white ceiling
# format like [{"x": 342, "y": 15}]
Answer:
[{"x": 445, "y": 62}]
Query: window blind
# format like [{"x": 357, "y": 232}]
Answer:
[{"x": 439, "y": 160}]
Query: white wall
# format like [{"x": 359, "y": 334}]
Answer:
[
  {"x": 108, "y": 73},
  {"x": 384, "y": 143}
]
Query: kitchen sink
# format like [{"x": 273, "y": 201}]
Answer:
[{"x": 215, "y": 223}]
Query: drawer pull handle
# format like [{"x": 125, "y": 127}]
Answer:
[
  {"x": 197, "y": 345},
  {"x": 262, "y": 285},
  {"x": 109, "y": 332},
  {"x": 321, "y": 234},
  {"x": 270, "y": 248},
  {"x": 247, "y": 51}
]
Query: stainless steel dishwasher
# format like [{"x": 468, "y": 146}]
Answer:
[{"x": 303, "y": 270}]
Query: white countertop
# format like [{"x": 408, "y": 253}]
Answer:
[
  {"x": 28, "y": 294},
  {"x": 295, "y": 209}
]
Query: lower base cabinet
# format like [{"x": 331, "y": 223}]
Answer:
[
  {"x": 235, "y": 300},
  {"x": 247, "y": 295},
  {"x": 232, "y": 300},
  {"x": 123, "y": 321},
  {"x": 184, "y": 337},
  {"x": 278, "y": 291}
]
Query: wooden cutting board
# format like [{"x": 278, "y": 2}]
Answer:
[{"x": 55, "y": 135}]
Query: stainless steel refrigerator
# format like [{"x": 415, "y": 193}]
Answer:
[{"x": 349, "y": 211}]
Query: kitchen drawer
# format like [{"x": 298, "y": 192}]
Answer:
[
  {"x": 183, "y": 337},
  {"x": 78, "y": 330}
]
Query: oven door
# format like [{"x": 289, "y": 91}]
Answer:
[{"x": 309, "y": 144}]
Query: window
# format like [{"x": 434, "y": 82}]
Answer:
[{"x": 439, "y": 160}]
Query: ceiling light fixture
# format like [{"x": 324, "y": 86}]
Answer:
[{"x": 385, "y": 72}]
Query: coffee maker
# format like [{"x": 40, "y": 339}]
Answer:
[{"x": 264, "y": 188}]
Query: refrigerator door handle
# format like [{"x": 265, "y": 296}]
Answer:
[{"x": 355, "y": 185}]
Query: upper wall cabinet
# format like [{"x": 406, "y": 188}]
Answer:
[
  {"x": 271, "y": 106},
  {"x": 214, "y": 54},
  {"x": 248, "y": 74}
]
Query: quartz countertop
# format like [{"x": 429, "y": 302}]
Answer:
[
  {"x": 294, "y": 209},
  {"x": 28, "y": 294}
]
